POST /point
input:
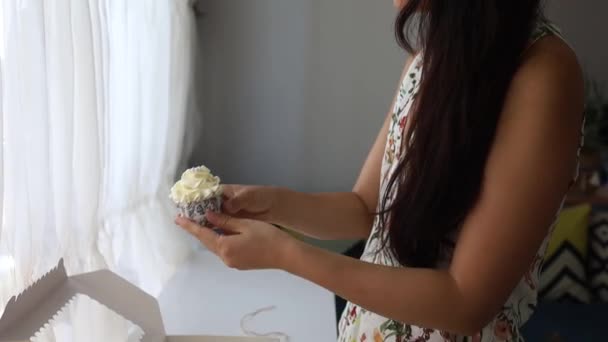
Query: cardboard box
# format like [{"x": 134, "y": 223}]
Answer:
[{"x": 27, "y": 313}]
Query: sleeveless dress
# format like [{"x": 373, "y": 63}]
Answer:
[{"x": 359, "y": 325}]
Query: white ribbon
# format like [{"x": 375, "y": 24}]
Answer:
[{"x": 277, "y": 334}]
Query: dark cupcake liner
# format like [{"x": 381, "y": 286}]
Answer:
[{"x": 195, "y": 211}]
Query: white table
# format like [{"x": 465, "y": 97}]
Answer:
[{"x": 206, "y": 297}]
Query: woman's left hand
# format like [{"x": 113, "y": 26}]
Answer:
[{"x": 245, "y": 245}]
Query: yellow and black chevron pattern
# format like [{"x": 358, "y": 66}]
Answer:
[
  {"x": 598, "y": 255},
  {"x": 564, "y": 277},
  {"x": 564, "y": 272}
]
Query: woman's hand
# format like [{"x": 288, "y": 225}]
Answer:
[
  {"x": 247, "y": 201},
  {"x": 332, "y": 215},
  {"x": 245, "y": 245}
]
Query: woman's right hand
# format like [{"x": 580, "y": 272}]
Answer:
[{"x": 250, "y": 201}]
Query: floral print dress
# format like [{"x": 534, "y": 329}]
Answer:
[{"x": 360, "y": 325}]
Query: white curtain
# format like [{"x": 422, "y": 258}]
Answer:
[{"x": 94, "y": 98}]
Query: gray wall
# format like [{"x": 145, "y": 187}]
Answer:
[
  {"x": 585, "y": 25},
  {"x": 295, "y": 90}
]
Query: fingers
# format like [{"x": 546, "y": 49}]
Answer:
[
  {"x": 231, "y": 206},
  {"x": 234, "y": 198},
  {"x": 228, "y": 191},
  {"x": 206, "y": 236},
  {"x": 234, "y": 204},
  {"x": 223, "y": 221}
]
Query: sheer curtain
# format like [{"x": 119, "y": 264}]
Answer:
[{"x": 94, "y": 98}]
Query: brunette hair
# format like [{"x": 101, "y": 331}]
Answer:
[{"x": 471, "y": 50}]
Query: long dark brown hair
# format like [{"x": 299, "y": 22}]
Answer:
[{"x": 471, "y": 50}]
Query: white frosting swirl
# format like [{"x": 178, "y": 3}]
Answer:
[{"x": 196, "y": 184}]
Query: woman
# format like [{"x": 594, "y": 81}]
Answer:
[{"x": 459, "y": 193}]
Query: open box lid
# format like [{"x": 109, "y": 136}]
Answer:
[{"x": 25, "y": 314}]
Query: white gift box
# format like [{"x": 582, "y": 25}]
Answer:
[{"x": 57, "y": 307}]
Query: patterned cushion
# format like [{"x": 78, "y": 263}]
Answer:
[
  {"x": 563, "y": 275},
  {"x": 598, "y": 255}
]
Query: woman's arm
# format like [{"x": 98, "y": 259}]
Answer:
[
  {"x": 347, "y": 215},
  {"x": 343, "y": 215},
  {"x": 326, "y": 216}
]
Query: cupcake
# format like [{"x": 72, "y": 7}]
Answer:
[{"x": 197, "y": 192}]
